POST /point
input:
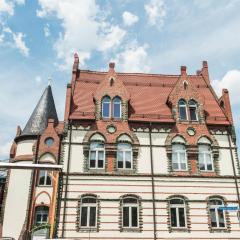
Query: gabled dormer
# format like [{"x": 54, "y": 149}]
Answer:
[
  {"x": 111, "y": 97},
  {"x": 186, "y": 102}
]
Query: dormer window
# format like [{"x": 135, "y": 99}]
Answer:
[
  {"x": 192, "y": 110},
  {"x": 182, "y": 109},
  {"x": 117, "y": 107},
  {"x": 106, "y": 107}
]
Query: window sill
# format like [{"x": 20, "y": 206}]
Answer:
[
  {"x": 125, "y": 229},
  {"x": 88, "y": 229},
  {"x": 179, "y": 229},
  {"x": 48, "y": 186},
  {"x": 222, "y": 229}
]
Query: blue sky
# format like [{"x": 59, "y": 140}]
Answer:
[{"x": 39, "y": 37}]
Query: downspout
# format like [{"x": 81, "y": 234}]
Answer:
[
  {"x": 234, "y": 172},
  {"x": 152, "y": 180},
  {"x": 66, "y": 186},
  {"x": 30, "y": 207}
]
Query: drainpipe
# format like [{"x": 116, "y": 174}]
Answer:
[
  {"x": 66, "y": 186},
  {"x": 152, "y": 180},
  {"x": 235, "y": 175}
]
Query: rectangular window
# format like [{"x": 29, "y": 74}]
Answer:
[
  {"x": 124, "y": 156},
  {"x": 178, "y": 219},
  {"x": 179, "y": 157},
  {"x": 193, "y": 114},
  {"x": 217, "y": 215},
  {"x": 130, "y": 215},
  {"x": 117, "y": 110},
  {"x": 45, "y": 178},
  {"x": 88, "y": 216},
  {"x": 106, "y": 110},
  {"x": 96, "y": 155},
  {"x": 183, "y": 112},
  {"x": 205, "y": 158}
]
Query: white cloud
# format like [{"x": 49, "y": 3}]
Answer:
[
  {"x": 6, "y": 7},
  {"x": 134, "y": 58},
  {"x": 231, "y": 81},
  {"x": 129, "y": 19},
  {"x": 20, "y": 44},
  {"x": 38, "y": 79},
  {"x": 156, "y": 12},
  {"x": 85, "y": 29},
  {"x": 46, "y": 30}
]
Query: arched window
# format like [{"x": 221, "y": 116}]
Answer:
[
  {"x": 217, "y": 214},
  {"x": 182, "y": 109},
  {"x": 88, "y": 212},
  {"x": 117, "y": 111},
  {"x": 124, "y": 156},
  {"x": 177, "y": 213},
  {"x": 106, "y": 107},
  {"x": 130, "y": 212},
  {"x": 179, "y": 156},
  {"x": 205, "y": 157},
  {"x": 45, "y": 178},
  {"x": 192, "y": 110},
  {"x": 41, "y": 215},
  {"x": 96, "y": 155}
]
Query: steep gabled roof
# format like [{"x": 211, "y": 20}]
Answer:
[
  {"x": 44, "y": 110},
  {"x": 148, "y": 96}
]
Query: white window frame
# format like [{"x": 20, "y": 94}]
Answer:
[
  {"x": 46, "y": 174},
  {"x": 113, "y": 105},
  {"x": 186, "y": 111},
  {"x": 193, "y": 105},
  {"x": 178, "y": 153},
  {"x": 124, "y": 157},
  {"x": 41, "y": 212},
  {"x": 177, "y": 206},
  {"x": 130, "y": 206},
  {"x": 88, "y": 206},
  {"x": 215, "y": 207},
  {"x": 97, "y": 150},
  {"x": 110, "y": 112},
  {"x": 204, "y": 153}
]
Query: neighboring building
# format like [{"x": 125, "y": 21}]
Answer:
[{"x": 145, "y": 156}]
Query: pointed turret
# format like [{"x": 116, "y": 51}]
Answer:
[{"x": 44, "y": 110}]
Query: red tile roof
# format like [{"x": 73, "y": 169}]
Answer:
[{"x": 148, "y": 96}]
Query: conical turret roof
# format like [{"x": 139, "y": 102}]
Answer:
[{"x": 44, "y": 110}]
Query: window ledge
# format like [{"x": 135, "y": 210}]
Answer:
[
  {"x": 179, "y": 229},
  {"x": 88, "y": 229},
  {"x": 124, "y": 229},
  {"x": 222, "y": 229}
]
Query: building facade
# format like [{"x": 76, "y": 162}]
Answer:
[{"x": 143, "y": 156}]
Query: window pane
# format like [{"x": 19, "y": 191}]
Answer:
[
  {"x": 176, "y": 201},
  {"x": 93, "y": 159},
  {"x": 100, "y": 159},
  {"x": 92, "y": 222},
  {"x": 201, "y": 161},
  {"x": 182, "y": 113},
  {"x": 41, "y": 177},
  {"x": 134, "y": 217},
  {"x": 183, "y": 166},
  {"x": 213, "y": 218},
  {"x": 38, "y": 218},
  {"x": 181, "y": 215},
  {"x": 209, "y": 161},
  {"x": 49, "y": 181},
  {"x": 193, "y": 114},
  {"x": 174, "y": 160},
  {"x": 173, "y": 217},
  {"x": 125, "y": 216},
  {"x": 41, "y": 180},
  {"x": 89, "y": 200},
  {"x": 106, "y": 108},
  {"x": 84, "y": 216},
  {"x": 130, "y": 200},
  {"x": 117, "y": 110},
  {"x": 128, "y": 159},
  {"x": 120, "y": 158},
  {"x": 221, "y": 218},
  {"x": 44, "y": 218}
]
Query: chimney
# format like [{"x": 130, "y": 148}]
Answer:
[
  {"x": 227, "y": 105},
  {"x": 183, "y": 70},
  {"x": 205, "y": 73},
  {"x": 76, "y": 62}
]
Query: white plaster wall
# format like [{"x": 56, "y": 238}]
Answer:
[
  {"x": 76, "y": 163},
  {"x": 160, "y": 161},
  {"x": 159, "y": 138},
  {"x": 43, "y": 197},
  {"x": 143, "y": 138},
  {"x": 16, "y": 202},
  {"x": 25, "y": 147},
  {"x": 65, "y": 149},
  {"x": 77, "y": 136},
  {"x": 143, "y": 161},
  {"x": 225, "y": 162}
]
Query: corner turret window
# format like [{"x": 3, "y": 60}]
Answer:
[
  {"x": 41, "y": 215},
  {"x": 106, "y": 107},
  {"x": 117, "y": 111},
  {"x": 124, "y": 156},
  {"x": 192, "y": 110},
  {"x": 182, "y": 109},
  {"x": 45, "y": 178},
  {"x": 96, "y": 155}
]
